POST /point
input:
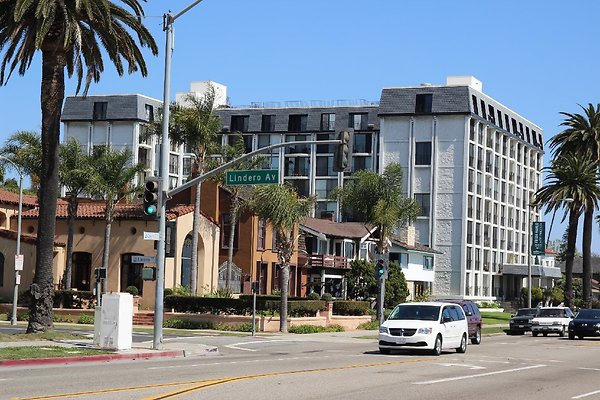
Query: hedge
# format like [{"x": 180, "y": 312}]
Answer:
[
  {"x": 346, "y": 307},
  {"x": 74, "y": 299}
]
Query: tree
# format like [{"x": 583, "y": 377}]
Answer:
[
  {"x": 284, "y": 209},
  {"x": 360, "y": 280},
  {"x": 24, "y": 148},
  {"x": 378, "y": 200},
  {"x": 396, "y": 289},
  {"x": 75, "y": 173},
  {"x": 575, "y": 177},
  {"x": 195, "y": 125},
  {"x": 71, "y": 36},
  {"x": 581, "y": 136},
  {"x": 112, "y": 180}
]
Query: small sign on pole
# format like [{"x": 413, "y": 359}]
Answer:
[
  {"x": 538, "y": 233},
  {"x": 19, "y": 260},
  {"x": 252, "y": 177},
  {"x": 151, "y": 235},
  {"x": 143, "y": 259}
]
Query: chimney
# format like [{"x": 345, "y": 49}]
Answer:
[{"x": 408, "y": 234}]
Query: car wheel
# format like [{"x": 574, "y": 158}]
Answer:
[
  {"x": 580, "y": 337},
  {"x": 562, "y": 333},
  {"x": 463, "y": 345},
  {"x": 571, "y": 336},
  {"x": 384, "y": 351},
  {"x": 437, "y": 346},
  {"x": 477, "y": 338},
  {"x": 545, "y": 334},
  {"x": 534, "y": 334}
]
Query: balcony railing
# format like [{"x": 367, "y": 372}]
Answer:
[{"x": 327, "y": 261}]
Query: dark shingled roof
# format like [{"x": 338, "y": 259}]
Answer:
[
  {"x": 445, "y": 100},
  {"x": 416, "y": 246},
  {"x": 351, "y": 230}
]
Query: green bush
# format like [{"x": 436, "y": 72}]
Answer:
[
  {"x": 185, "y": 324},
  {"x": 350, "y": 307},
  {"x": 168, "y": 292},
  {"x": 313, "y": 296},
  {"x": 132, "y": 290},
  {"x": 536, "y": 296},
  {"x": 80, "y": 299},
  {"x": 86, "y": 319},
  {"x": 371, "y": 325},
  {"x": 243, "y": 327},
  {"x": 301, "y": 329},
  {"x": 327, "y": 297},
  {"x": 20, "y": 317}
]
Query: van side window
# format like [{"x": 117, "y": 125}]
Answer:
[
  {"x": 461, "y": 315},
  {"x": 446, "y": 313},
  {"x": 454, "y": 313}
]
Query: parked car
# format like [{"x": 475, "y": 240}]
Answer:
[
  {"x": 435, "y": 326},
  {"x": 521, "y": 321},
  {"x": 473, "y": 318},
  {"x": 586, "y": 323},
  {"x": 551, "y": 320}
]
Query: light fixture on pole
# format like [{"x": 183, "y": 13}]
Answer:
[
  {"x": 169, "y": 19},
  {"x": 18, "y": 256}
]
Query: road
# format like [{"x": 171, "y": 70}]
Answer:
[{"x": 328, "y": 367}]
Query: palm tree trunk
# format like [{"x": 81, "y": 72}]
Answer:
[
  {"x": 235, "y": 209},
  {"x": 107, "y": 229},
  {"x": 72, "y": 208},
  {"x": 283, "y": 311},
  {"x": 195, "y": 233},
  {"x": 587, "y": 257},
  {"x": 52, "y": 96},
  {"x": 570, "y": 256}
]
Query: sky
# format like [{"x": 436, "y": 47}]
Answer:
[{"x": 537, "y": 57}]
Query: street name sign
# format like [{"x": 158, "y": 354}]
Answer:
[
  {"x": 253, "y": 177},
  {"x": 151, "y": 235},
  {"x": 142, "y": 259}
]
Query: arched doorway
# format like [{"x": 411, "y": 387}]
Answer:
[
  {"x": 81, "y": 270},
  {"x": 186, "y": 256}
]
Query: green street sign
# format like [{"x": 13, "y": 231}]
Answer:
[
  {"x": 253, "y": 177},
  {"x": 538, "y": 244}
]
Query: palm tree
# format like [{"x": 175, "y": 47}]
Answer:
[
  {"x": 71, "y": 36},
  {"x": 196, "y": 126},
  {"x": 112, "y": 180},
  {"x": 582, "y": 137},
  {"x": 74, "y": 174},
  {"x": 24, "y": 148},
  {"x": 570, "y": 176},
  {"x": 281, "y": 205}
]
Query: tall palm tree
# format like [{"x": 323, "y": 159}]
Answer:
[
  {"x": 582, "y": 136},
  {"x": 113, "y": 181},
  {"x": 71, "y": 36},
  {"x": 24, "y": 148},
  {"x": 284, "y": 209},
  {"x": 74, "y": 174},
  {"x": 570, "y": 176},
  {"x": 196, "y": 126}
]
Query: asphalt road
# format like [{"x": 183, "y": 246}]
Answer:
[{"x": 328, "y": 367}]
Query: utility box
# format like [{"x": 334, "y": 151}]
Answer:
[{"x": 116, "y": 321}]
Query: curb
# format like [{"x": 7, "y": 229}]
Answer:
[{"x": 94, "y": 358}]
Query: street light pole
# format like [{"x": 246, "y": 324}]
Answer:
[
  {"x": 13, "y": 319},
  {"x": 528, "y": 249},
  {"x": 169, "y": 19}
]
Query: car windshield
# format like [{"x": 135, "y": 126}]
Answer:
[
  {"x": 416, "y": 312},
  {"x": 526, "y": 311},
  {"x": 551, "y": 312},
  {"x": 589, "y": 314}
]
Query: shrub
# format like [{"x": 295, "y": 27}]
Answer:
[
  {"x": 185, "y": 324},
  {"x": 132, "y": 290},
  {"x": 301, "y": 329},
  {"x": 86, "y": 319},
  {"x": 243, "y": 327},
  {"x": 349, "y": 307},
  {"x": 182, "y": 291},
  {"x": 536, "y": 296},
  {"x": 313, "y": 296},
  {"x": 327, "y": 297},
  {"x": 371, "y": 325},
  {"x": 168, "y": 292},
  {"x": 80, "y": 299}
]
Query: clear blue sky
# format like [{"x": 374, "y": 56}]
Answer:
[{"x": 537, "y": 57}]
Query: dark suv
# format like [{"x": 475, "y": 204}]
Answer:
[{"x": 473, "y": 318}]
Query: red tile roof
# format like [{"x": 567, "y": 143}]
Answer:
[
  {"x": 25, "y": 237},
  {"x": 8, "y": 197}
]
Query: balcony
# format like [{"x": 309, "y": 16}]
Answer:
[{"x": 327, "y": 261}]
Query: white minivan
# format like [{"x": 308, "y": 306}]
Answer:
[{"x": 435, "y": 326}]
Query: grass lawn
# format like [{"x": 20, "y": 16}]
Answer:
[
  {"x": 490, "y": 318},
  {"x": 24, "y": 352}
]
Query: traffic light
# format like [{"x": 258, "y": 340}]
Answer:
[
  {"x": 342, "y": 152},
  {"x": 380, "y": 269},
  {"x": 152, "y": 197}
]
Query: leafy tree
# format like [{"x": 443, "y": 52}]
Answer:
[
  {"x": 71, "y": 36},
  {"x": 360, "y": 280},
  {"x": 75, "y": 173},
  {"x": 24, "y": 148},
  {"x": 112, "y": 181},
  {"x": 197, "y": 126},
  {"x": 378, "y": 200},
  {"x": 396, "y": 289},
  {"x": 284, "y": 209}
]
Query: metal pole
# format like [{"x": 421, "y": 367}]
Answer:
[
  {"x": 13, "y": 320},
  {"x": 254, "y": 313},
  {"x": 380, "y": 299}
]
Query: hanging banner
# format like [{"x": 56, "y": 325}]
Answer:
[{"x": 538, "y": 233}]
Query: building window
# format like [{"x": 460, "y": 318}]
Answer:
[
  {"x": 262, "y": 233},
  {"x": 239, "y": 123},
  {"x": 327, "y": 122},
  {"x": 423, "y": 103},
  {"x": 297, "y": 123},
  {"x": 226, "y": 232},
  {"x": 268, "y": 123},
  {"x": 325, "y": 166},
  {"x": 131, "y": 274},
  {"x": 359, "y": 121},
  {"x": 149, "y": 113},
  {"x": 403, "y": 260},
  {"x": 100, "y": 110},
  {"x": 475, "y": 109},
  {"x": 422, "y": 200},
  {"x": 428, "y": 263},
  {"x": 173, "y": 164},
  {"x": 362, "y": 143},
  {"x": 423, "y": 153},
  {"x": 325, "y": 148},
  {"x": 360, "y": 162}
]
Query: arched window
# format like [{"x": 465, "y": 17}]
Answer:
[{"x": 186, "y": 255}]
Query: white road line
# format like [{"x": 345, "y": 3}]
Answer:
[
  {"x": 581, "y": 396},
  {"x": 590, "y": 369},
  {"x": 237, "y": 362},
  {"x": 236, "y": 345},
  {"x": 458, "y": 378},
  {"x": 460, "y": 365},
  {"x": 232, "y": 346},
  {"x": 494, "y": 361}
]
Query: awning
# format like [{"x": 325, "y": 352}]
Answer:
[{"x": 536, "y": 270}]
